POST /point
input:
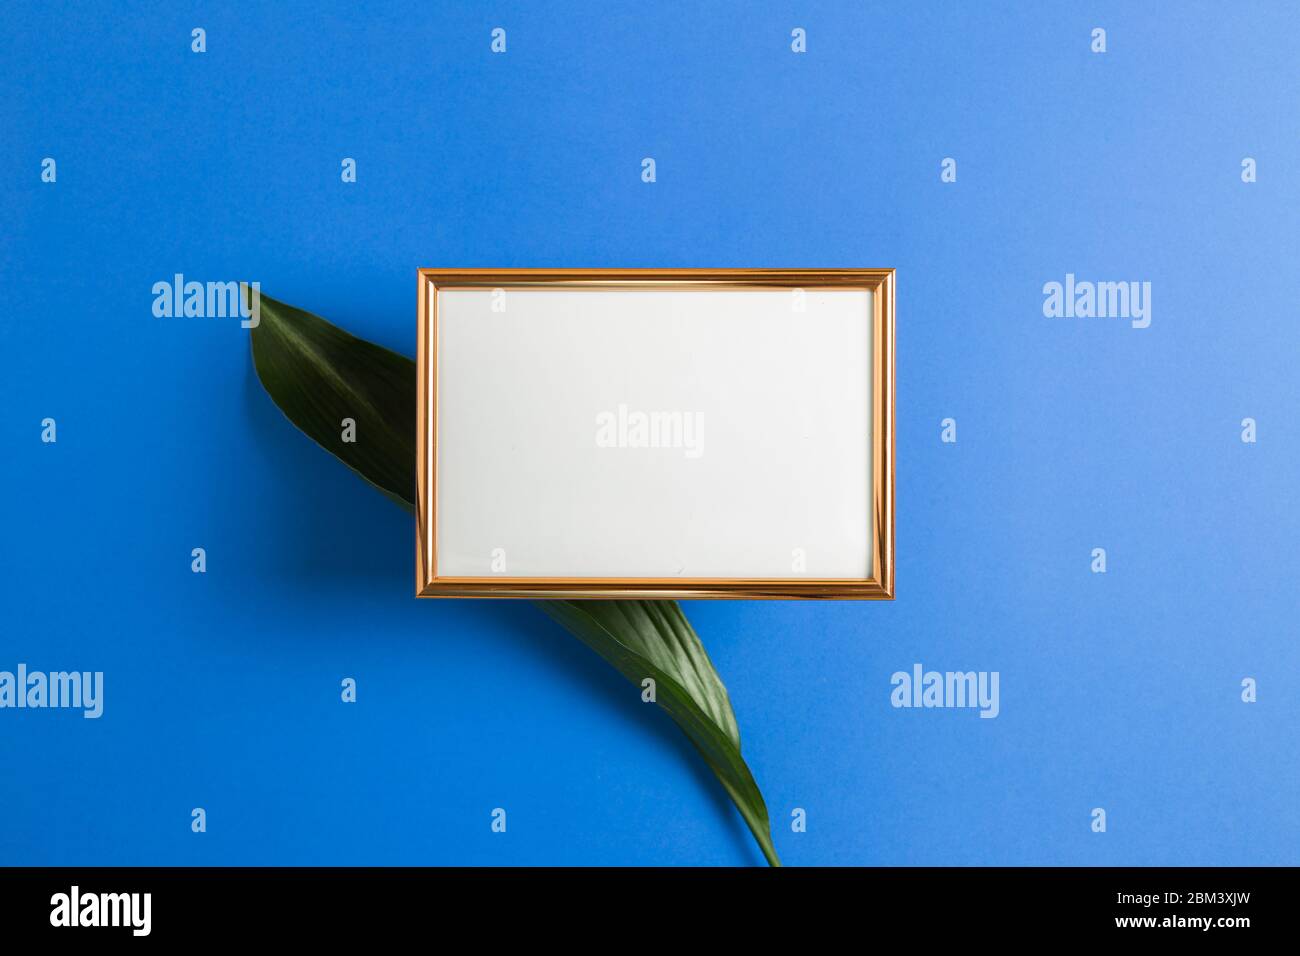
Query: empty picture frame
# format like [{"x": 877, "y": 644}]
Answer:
[{"x": 655, "y": 434}]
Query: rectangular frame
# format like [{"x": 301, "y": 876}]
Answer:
[{"x": 880, "y": 282}]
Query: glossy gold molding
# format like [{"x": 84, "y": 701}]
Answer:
[{"x": 880, "y": 585}]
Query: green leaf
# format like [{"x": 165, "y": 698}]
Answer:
[
  {"x": 319, "y": 375},
  {"x": 653, "y": 639}
]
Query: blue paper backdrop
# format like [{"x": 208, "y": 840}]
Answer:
[{"x": 1120, "y": 691}]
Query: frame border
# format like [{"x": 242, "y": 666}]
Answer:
[{"x": 880, "y": 586}]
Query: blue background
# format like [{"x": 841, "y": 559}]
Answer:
[{"x": 1119, "y": 690}]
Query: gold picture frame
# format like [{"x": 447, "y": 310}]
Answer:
[{"x": 879, "y": 586}]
